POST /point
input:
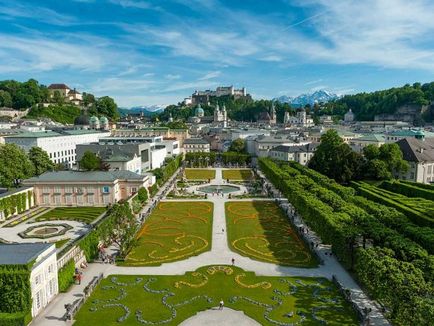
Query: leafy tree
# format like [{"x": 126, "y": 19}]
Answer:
[
  {"x": 378, "y": 170},
  {"x": 124, "y": 228},
  {"x": 5, "y": 99},
  {"x": 238, "y": 145},
  {"x": 40, "y": 160},
  {"x": 90, "y": 161},
  {"x": 371, "y": 152},
  {"x": 106, "y": 106},
  {"x": 88, "y": 99},
  {"x": 58, "y": 98},
  {"x": 391, "y": 153},
  {"x": 142, "y": 195},
  {"x": 14, "y": 164},
  {"x": 336, "y": 159}
]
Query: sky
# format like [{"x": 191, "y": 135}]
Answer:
[{"x": 147, "y": 52}]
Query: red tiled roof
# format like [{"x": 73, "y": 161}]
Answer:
[{"x": 58, "y": 86}]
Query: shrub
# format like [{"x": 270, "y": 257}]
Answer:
[{"x": 65, "y": 276}]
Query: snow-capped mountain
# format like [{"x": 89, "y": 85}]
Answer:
[
  {"x": 147, "y": 110},
  {"x": 309, "y": 98}
]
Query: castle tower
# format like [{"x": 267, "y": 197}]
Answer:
[{"x": 225, "y": 116}]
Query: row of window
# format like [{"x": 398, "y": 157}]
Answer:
[
  {"x": 69, "y": 200},
  {"x": 74, "y": 190}
]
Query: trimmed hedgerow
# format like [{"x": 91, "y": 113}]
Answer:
[{"x": 65, "y": 276}]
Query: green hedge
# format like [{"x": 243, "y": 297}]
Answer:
[
  {"x": 15, "y": 319},
  {"x": 15, "y": 292},
  {"x": 65, "y": 276},
  {"x": 413, "y": 215},
  {"x": 15, "y": 203},
  {"x": 409, "y": 190},
  {"x": 163, "y": 174}
]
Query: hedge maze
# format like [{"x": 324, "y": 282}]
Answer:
[
  {"x": 260, "y": 230},
  {"x": 168, "y": 300},
  {"x": 80, "y": 214},
  {"x": 174, "y": 231}
]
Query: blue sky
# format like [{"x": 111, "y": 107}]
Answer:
[{"x": 144, "y": 52}]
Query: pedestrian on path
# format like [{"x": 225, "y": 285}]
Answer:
[
  {"x": 221, "y": 304},
  {"x": 233, "y": 261}
]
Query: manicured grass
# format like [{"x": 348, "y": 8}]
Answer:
[
  {"x": 80, "y": 214},
  {"x": 199, "y": 174},
  {"x": 260, "y": 230},
  {"x": 168, "y": 300},
  {"x": 238, "y": 174},
  {"x": 174, "y": 231}
]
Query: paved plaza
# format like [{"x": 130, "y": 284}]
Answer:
[{"x": 219, "y": 254}]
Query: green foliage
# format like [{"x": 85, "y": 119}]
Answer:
[
  {"x": 14, "y": 203},
  {"x": 63, "y": 113},
  {"x": 382, "y": 162},
  {"x": 336, "y": 159},
  {"x": 65, "y": 276},
  {"x": 238, "y": 145},
  {"x": 21, "y": 96},
  {"x": 200, "y": 159},
  {"x": 399, "y": 285},
  {"x": 14, "y": 164},
  {"x": 409, "y": 189},
  {"x": 366, "y": 105},
  {"x": 163, "y": 174},
  {"x": 153, "y": 190},
  {"x": 235, "y": 158},
  {"x": 348, "y": 223},
  {"x": 15, "y": 292},
  {"x": 106, "y": 106},
  {"x": 40, "y": 160},
  {"x": 142, "y": 195},
  {"x": 15, "y": 319},
  {"x": 90, "y": 161}
]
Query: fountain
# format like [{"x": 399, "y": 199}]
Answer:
[{"x": 225, "y": 189}]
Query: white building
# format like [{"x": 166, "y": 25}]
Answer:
[
  {"x": 300, "y": 154},
  {"x": 419, "y": 153},
  {"x": 61, "y": 147},
  {"x": 301, "y": 119},
  {"x": 43, "y": 275},
  {"x": 193, "y": 145},
  {"x": 263, "y": 144}
]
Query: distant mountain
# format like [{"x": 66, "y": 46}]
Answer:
[
  {"x": 309, "y": 98},
  {"x": 147, "y": 110}
]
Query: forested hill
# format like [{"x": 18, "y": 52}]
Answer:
[
  {"x": 31, "y": 94},
  {"x": 366, "y": 105}
]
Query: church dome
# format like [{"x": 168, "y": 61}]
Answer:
[
  {"x": 199, "y": 112},
  {"x": 94, "y": 119},
  {"x": 103, "y": 120}
]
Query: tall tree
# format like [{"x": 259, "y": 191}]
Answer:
[
  {"x": 40, "y": 160},
  {"x": 90, "y": 161},
  {"x": 124, "y": 228},
  {"x": 238, "y": 145},
  {"x": 336, "y": 159},
  {"x": 14, "y": 164},
  {"x": 106, "y": 106}
]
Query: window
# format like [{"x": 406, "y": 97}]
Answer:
[
  {"x": 90, "y": 190},
  {"x": 46, "y": 190},
  {"x": 38, "y": 299},
  {"x": 38, "y": 279},
  {"x": 57, "y": 189},
  {"x": 57, "y": 199},
  {"x": 50, "y": 268},
  {"x": 105, "y": 189},
  {"x": 79, "y": 190},
  {"x": 46, "y": 199},
  {"x": 68, "y": 190},
  {"x": 133, "y": 190},
  {"x": 90, "y": 199},
  {"x": 79, "y": 199}
]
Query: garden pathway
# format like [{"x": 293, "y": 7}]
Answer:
[{"x": 220, "y": 254}]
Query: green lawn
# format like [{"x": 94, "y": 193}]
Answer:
[
  {"x": 168, "y": 300},
  {"x": 174, "y": 231},
  {"x": 260, "y": 230},
  {"x": 199, "y": 174},
  {"x": 238, "y": 174},
  {"x": 80, "y": 214}
]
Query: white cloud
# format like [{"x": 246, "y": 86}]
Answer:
[
  {"x": 172, "y": 77},
  {"x": 132, "y": 4},
  {"x": 211, "y": 75},
  {"x": 316, "y": 81}
]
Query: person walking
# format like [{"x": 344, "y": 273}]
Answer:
[
  {"x": 233, "y": 261},
  {"x": 221, "y": 304}
]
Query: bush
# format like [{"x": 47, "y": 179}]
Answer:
[
  {"x": 15, "y": 319},
  {"x": 409, "y": 190},
  {"x": 142, "y": 195},
  {"x": 15, "y": 295},
  {"x": 153, "y": 190},
  {"x": 65, "y": 276}
]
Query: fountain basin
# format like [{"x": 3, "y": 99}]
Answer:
[{"x": 226, "y": 189}]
